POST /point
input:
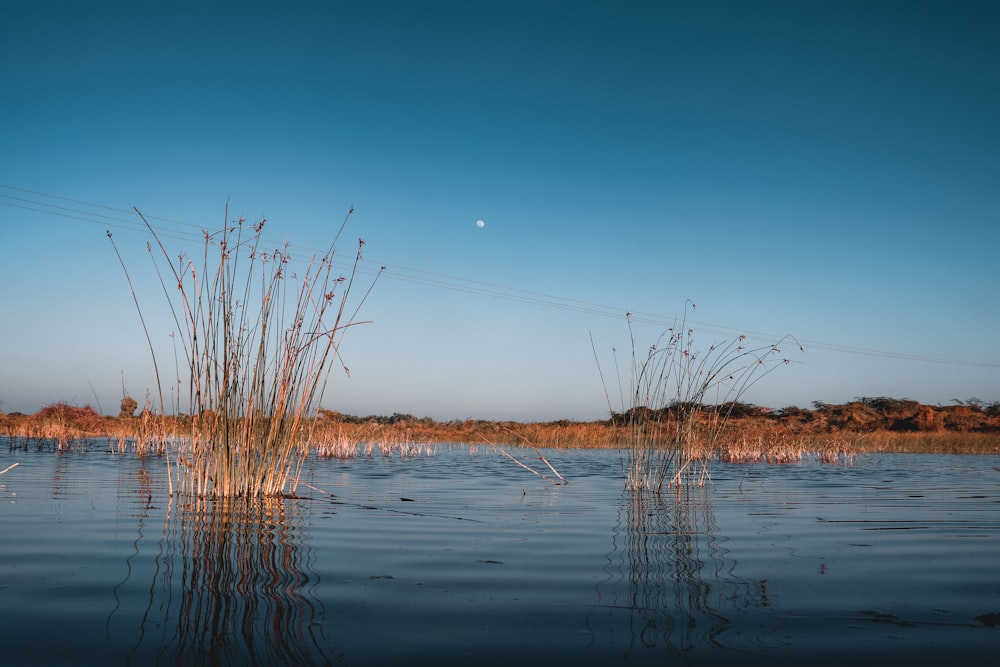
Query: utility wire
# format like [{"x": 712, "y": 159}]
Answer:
[{"x": 179, "y": 230}]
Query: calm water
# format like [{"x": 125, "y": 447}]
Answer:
[{"x": 461, "y": 557}]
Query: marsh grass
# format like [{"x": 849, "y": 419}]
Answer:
[
  {"x": 62, "y": 426},
  {"x": 673, "y": 432},
  {"x": 877, "y": 442},
  {"x": 366, "y": 440},
  {"x": 752, "y": 434},
  {"x": 259, "y": 332}
]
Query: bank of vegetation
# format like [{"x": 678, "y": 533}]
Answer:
[{"x": 754, "y": 433}]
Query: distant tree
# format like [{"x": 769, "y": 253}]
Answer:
[
  {"x": 886, "y": 404},
  {"x": 971, "y": 402},
  {"x": 683, "y": 408},
  {"x": 737, "y": 409},
  {"x": 128, "y": 407},
  {"x": 792, "y": 411}
]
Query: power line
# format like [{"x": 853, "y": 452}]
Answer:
[{"x": 176, "y": 229}]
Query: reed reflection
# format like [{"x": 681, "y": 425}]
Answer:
[
  {"x": 671, "y": 583},
  {"x": 233, "y": 584}
]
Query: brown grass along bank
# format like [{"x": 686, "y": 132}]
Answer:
[{"x": 754, "y": 433}]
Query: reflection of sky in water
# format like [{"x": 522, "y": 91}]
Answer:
[{"x": 485, "y": 561}]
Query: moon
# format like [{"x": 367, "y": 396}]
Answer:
[{"x": 480, "y": 224}]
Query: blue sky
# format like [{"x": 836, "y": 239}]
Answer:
[{"x": 829, "y": 170}]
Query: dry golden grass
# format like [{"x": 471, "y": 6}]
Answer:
[
  {"x": 937, "y": 442},
  {"x": 751, "y": 439},
  {"x": 746, "y": 440}
]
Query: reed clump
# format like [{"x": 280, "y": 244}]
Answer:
[
  {"x": 259, "y": 332},
  {"x": 149, "y": 433},
  {"x": 673, "y": 432}
]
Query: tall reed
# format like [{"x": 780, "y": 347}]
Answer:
[
  {"x": 672, "y": 431},
  {"x": 259, "y": 340}
]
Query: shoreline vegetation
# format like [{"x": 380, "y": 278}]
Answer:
[{"x": 754, "y": 434}]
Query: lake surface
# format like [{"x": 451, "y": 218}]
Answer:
[{"x": 460, "y": 557}]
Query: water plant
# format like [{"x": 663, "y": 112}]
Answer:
[
  {"x": 259, "y": 332},
  {"x": 673, "y": 430}
]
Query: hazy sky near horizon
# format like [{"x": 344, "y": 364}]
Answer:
[{"x": 828, "y": 170}]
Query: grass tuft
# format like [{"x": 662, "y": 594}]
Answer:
[
  {"x": 672, "y": 432},
  {"x": 259, "y": 332}
]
